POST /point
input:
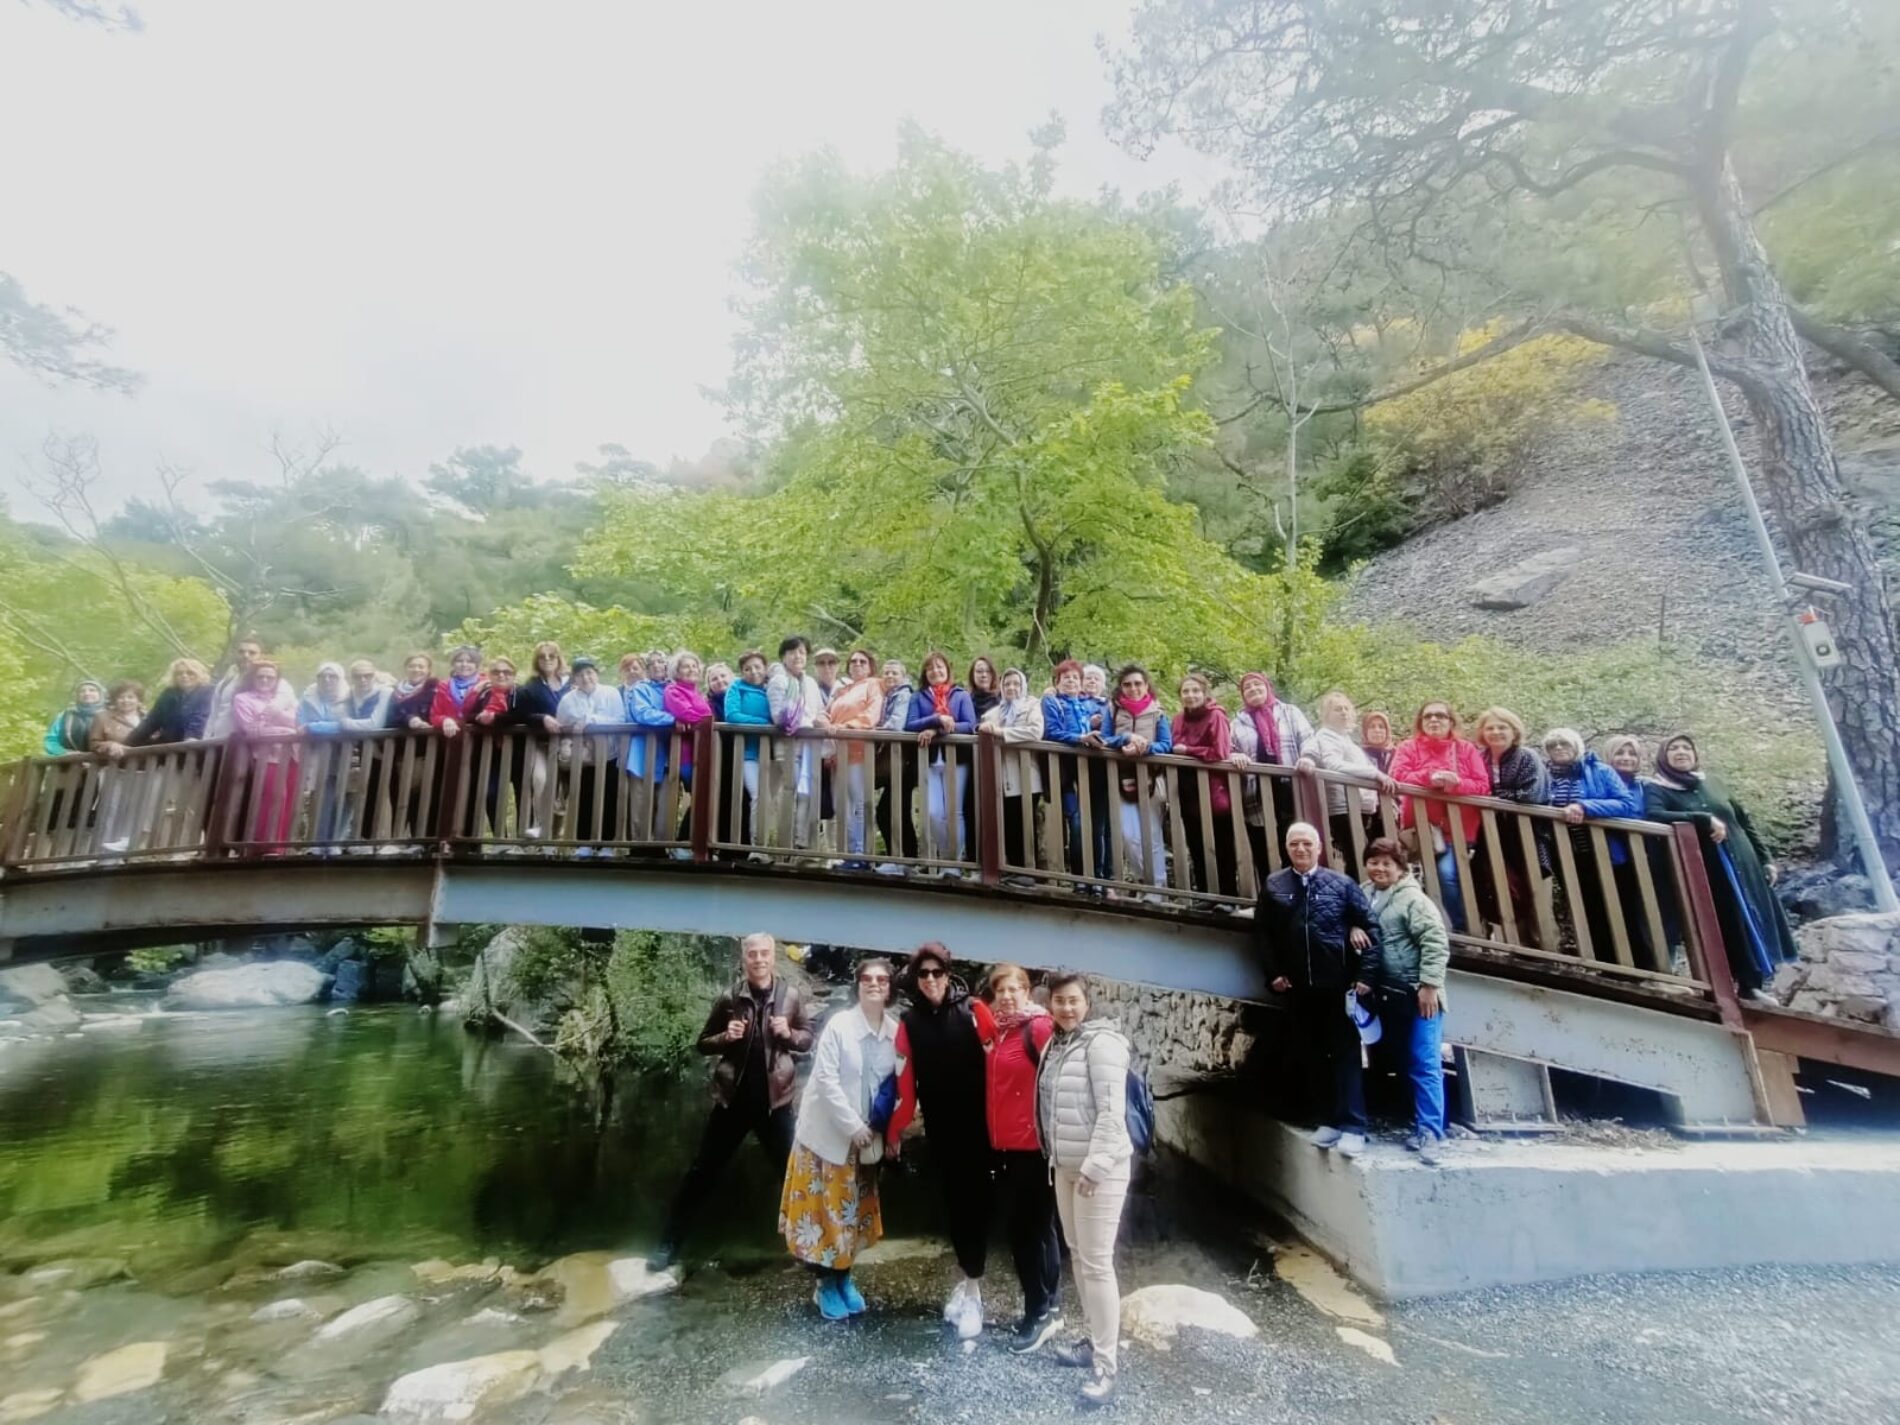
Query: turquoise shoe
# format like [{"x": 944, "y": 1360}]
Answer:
[
  {"x": 830, "y": 1301},
  {"x": 852, "y": 1297}
]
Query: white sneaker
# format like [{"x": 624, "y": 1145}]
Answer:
[
  {"x": 953, "y": 1308},
  {"x": 890, "y": 868},
  {"x": 1324, "y": 1137},
  {"x": 1351, "y": 1145},
  {"x": 970, "y": 1322},
  {"x": 115, "y": 847}
]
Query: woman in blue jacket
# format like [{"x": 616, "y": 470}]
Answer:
[
  {"x": 1071, "y": 717},
  {"x": 1587, "y": 788},
  {"x": 1139, "y": 728},
  {"x": 940, "y": 708},
  {"x": 747, "y": 703}
]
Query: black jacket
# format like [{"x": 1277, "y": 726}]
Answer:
[
  {"x": 946, "y": 1056},
  {"x": 1300, "y": 930},
  {"x": 178, "y": 715}
]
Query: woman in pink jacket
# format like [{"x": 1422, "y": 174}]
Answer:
[
  {"x": 264, "y": 713},
  {"x": 1437, "y": 758}
]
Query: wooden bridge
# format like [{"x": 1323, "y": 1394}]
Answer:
[{"x": 1139, "y": 869}]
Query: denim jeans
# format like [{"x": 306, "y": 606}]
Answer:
[
  {"x": 1453, "y": 891},
  {"x": 1421, "y": 1042}
]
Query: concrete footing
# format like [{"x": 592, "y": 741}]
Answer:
[{"x": 1508, "y": 1213}]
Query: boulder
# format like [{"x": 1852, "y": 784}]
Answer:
[
  {"x": 1155, "y": 1315},
  {"x": 28, "y": 1404},
  {"x": 77, "y": 1273},
  {"x": 1866, "y": 933},
  {"x": 267, "y": 985},
  {"x": 32, "y": 984},
  {"x": 1823, "y": 892},
  {"x": 595, "y": 1283},
  {"x": 385, "y": 1313},
  {"x": 1526, "y": 581},
  {"x": 138, "y": 1366},
  {"x": 351, "y": 983},
  {"x": 307, "y": 1270},
  {"x": 82, "y": 980},
  {"x": 455, "y": 1390},
  {"x": 758, "y": 1377},
  {"x": 291, "y": 1308},
  {"x": 55, "y": 1014}
]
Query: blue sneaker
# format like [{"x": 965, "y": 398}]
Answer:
[
  {"x": 852, "y": 1297},
  {"x": 831, "y": 1303}
]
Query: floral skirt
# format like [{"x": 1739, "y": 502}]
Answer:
[{"x": 828, "y": 1212}]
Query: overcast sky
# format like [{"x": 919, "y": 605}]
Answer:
[{"x": 432, "y": 223}]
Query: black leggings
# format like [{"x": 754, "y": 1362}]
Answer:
[
  {"x": 1035, "y": 1236},
  {"x": 965, "y": 1168}
]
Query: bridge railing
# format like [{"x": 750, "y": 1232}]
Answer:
[{"x": 1626, "y": 900}]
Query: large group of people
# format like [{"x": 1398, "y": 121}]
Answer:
[
  {"x": 871, "y": 811},
  {"x": 1023, "y": 1105}
]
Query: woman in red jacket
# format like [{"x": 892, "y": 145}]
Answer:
[
  {"x": 1201, "y": 732},
  {"x": 1436, "y": 757},
  {"x": 1023, "y": 1028}
]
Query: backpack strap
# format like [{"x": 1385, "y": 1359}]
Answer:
[{"x": 1031, "y": 1049}]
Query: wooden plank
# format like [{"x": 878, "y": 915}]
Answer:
[
  {"x": 1270, "y": 819},
  {"x": 1501, "y": 883},
  {"x": 1659, "y": 957},
  {"x": 1247, "y": 880},
  {"x": 1547, "y": 931},
  {"x": 953, "y": 763},
  {"x": 1606, "y": 887},
  {"x": 1567, "y": 877},
  {"x": 1461, "y": 858},
  {"x": 1086, "y": 835},
  {"x": 1210, "y": 860}
]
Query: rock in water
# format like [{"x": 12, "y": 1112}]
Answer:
[
  {"x": 1155, "y": 1314},
  {"x": 1527, "y": 581},
  {"x": 135, "y": 1367},
  {"x": 351, "y": 982},
  {"x": 32, "y": 984},
  {"x": 389, "y": 1313},
  {"x": 758, "y": 1377},
  {"x": 307, "y": 1270},
  {"x": 291, "y": 1308},
  {"x": 594, "y": 1283},
  {"x": 457, "y": 1389},
  {"x": 263, "y": 986}
]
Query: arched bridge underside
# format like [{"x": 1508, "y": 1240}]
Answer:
[{"x": 1708, "y": 1073}]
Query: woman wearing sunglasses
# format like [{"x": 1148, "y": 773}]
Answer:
[{"x": 941, "y": 1042}]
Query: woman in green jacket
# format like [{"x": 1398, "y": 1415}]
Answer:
[
  {"x": 1755, "y": 929},
  {"x": 1414, "y": 951}
]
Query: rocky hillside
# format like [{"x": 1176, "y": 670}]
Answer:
[{"x": 1631, "y": 531}]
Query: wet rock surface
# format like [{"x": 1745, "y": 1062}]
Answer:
[{"x": 267, "y": 985}]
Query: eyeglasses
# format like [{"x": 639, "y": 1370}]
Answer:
[
  {"x": 874, "y": 979},
  {"x": 933, "y": 972},
  {"x": 1434, "y": 717}
]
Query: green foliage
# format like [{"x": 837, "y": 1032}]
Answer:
[
  {"x": 158, "y": 959},
  {"x": 68, "y": 613},
  {"x": 581, "y": 628}
]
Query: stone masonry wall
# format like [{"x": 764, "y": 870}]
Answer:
[
  {"x": 1849, "y": 969},
  {"x": 1181, "y": 1036}
]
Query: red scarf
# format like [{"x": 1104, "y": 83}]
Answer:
[
  {"x": 1135, "y": 707},
  {"x": 940, "y": 697}
]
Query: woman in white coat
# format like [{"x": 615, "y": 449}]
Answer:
[
  {"x": 1082, "y": 1119},
  {"x": 1017, "y": 718},
  {"x": 828, "y": 1211}
]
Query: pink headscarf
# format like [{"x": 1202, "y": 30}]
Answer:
[{"x": 1262, "y": 717}]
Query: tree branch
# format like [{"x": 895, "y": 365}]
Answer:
[
  {"x": 1882, "y": 139},
  {"x": 1844, "y": 346}
]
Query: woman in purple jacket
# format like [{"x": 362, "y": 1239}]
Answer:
[{"x": 939, "y": 708}]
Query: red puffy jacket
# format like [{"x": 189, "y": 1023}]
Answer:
[{"x": 483, "y": 697}]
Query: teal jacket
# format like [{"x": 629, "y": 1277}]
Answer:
[{"x": 1414, "y": 949}]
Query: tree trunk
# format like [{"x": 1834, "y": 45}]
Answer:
[{"x": 1807, "y": 503}]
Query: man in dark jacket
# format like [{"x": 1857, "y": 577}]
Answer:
[
  {"x": 756, "y": 1028},
  {"x": 1317, "y": 937}
]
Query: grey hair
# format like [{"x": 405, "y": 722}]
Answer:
[
  {"x": 472, "y": 650},
  {"x": 1567, "y": 735},
  {"x": 1306, "y": 826},
  {"x": 673, "y": 663}
]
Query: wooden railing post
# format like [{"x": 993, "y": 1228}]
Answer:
[
  {"x": 226, "y": 783},
  {"x": 1707, "y": 925},
  {"x": 1309, "y": 805},
  {"x": 13, "y": 821},
  {"x": 989, "y": 810},
  {"x": 452, "y": 794},
  {"x": 704, "y": 812}
]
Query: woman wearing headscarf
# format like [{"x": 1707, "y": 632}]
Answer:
[
  {"x": 1517, "y": 775},
  {"x": 264, "y": 714},
  {"x": 182, "y": 708},
  {"x": 1141, "y": 729},
  {"x": 1624, "y": 753},
  {"x": 1023, "y": 1030},
  {"x": 828, "y": 1211},
  {"x": 1741, "y": 872},
  {"x": 940, "y": 709},
  {"x": 70, "y": 733},
  {"x": 1017, "y": 717},
  {"x": 1375, "y": 736},
  {"x": 1586, "y": 788},
  {"x": 685, "y": 702},
  {"x": 1435, "y": 756},
  {"x": 1201, "y": 731},
  {"x": 856, "y": 706},
  {"x": 942, "y": 1042},
  {"x": 1268, "y": 730},
  {"x": 1334, "y": 749}
]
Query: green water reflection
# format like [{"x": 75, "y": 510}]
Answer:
[{"x": 195, "y": 1142}]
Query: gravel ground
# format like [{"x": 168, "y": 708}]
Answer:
[{"x": 1752, "y": 1345}]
